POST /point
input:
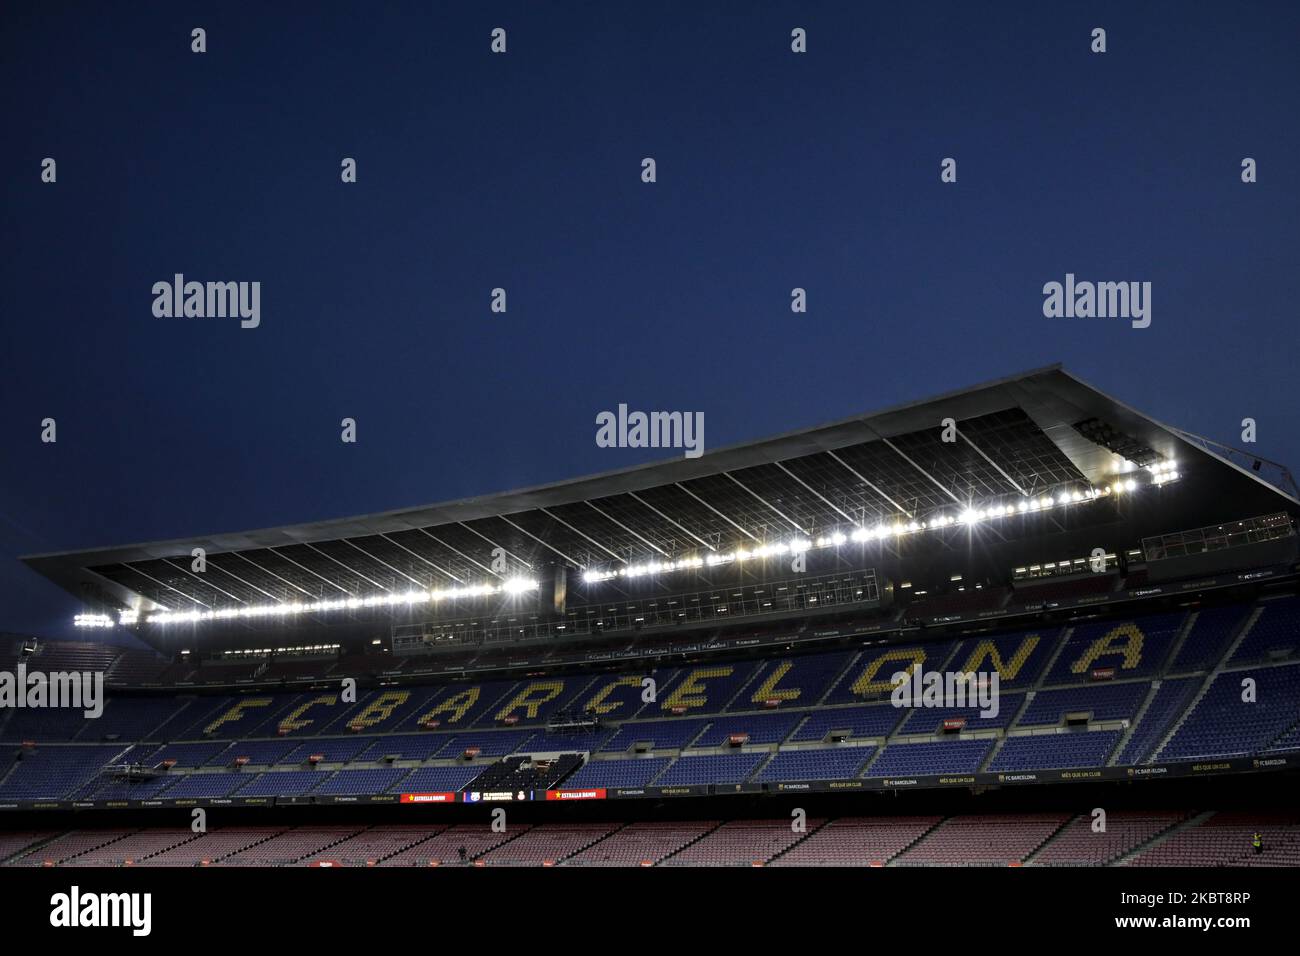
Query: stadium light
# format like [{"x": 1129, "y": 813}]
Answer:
[
  {"x": 511, "y": 586},
  {"x": 898, "y": 527},
  {"x": 92, "y": 620},
  {"x": 1163, "y": 472}
]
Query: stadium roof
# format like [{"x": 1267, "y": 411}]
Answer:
[{"x": 1016, "y": 438}]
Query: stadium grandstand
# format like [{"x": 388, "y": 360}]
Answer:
[{"x": 716, "y": 631}]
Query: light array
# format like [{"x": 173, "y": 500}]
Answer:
[
  {"x": 92, "y": 620},
  {"x": 1162, "y": 473},
  {"x": 291, "y": 651},
  {"x": 405, "y": 599}
]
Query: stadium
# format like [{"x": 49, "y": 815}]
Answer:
[{"x": 698, "y": 663}]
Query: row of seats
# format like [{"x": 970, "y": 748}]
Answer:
[
  {"x": 1225, "y": 839},
  {"x": 1129, "y": 838},
  {"x": 984, "y": 840},
  {"x": 1228, "y": 721},
  {"x": 1249, "y": 709},
  {"x": 1134, "y": 649}
]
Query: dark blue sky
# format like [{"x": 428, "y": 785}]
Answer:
[{"x": 775, "y": 170}]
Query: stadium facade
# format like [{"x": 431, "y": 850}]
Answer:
[{"x": 718, "y": 628}]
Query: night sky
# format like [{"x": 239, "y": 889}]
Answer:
[{"x": 523, "y": 171}]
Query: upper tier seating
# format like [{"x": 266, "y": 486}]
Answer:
[
  {"x": 947, "y": 756},
  {"x": 1127, "y": 682},
  {"x": 631, "y": 772},
  {"x": 50, "y": 773},
  {"x": 523, "y": 773},
  {"x": 1223, "y": 724},
  {"x": 841, "y": 763},
  {"x": 1169, "y": 702},
  {"x": 438, "y": 779},
  {"x": 929, "y": 720},
  {"x": 1056, "y": 751},
  {"x": 1100, "y": 701},
  {"x": 134, "y": 668},
  {"x": 711, "y": 768},
  {"x": 1136, "y": 647},
  {"x": 758, "y": 728},
  {"x": 1275, "y": 636},
  {"x": 860, "y": 723},
  {"x": 1209, "y": 637}
]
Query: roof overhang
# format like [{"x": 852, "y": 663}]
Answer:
[{"x": 1051, "y": 398}]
